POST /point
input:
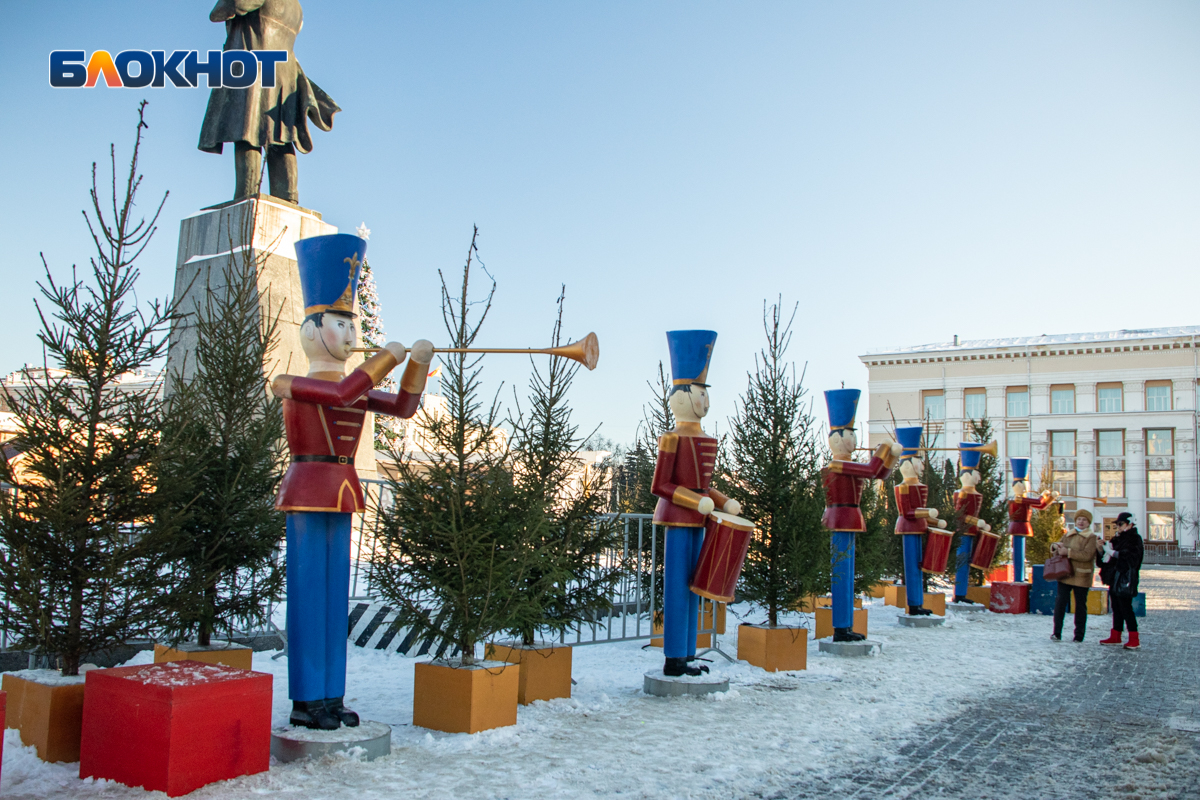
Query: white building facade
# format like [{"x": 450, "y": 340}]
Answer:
[{"x": 1113, "y": 414}]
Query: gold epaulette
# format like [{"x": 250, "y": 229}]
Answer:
[
  {"x": 668, "y": 442},
  {"x": 902, "y": 488}
]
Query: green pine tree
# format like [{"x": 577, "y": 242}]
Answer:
[
  {"x": 222, "y": 466},
  {"x": 878, "y": 552},
  {"x": 994, "y": 510},
  {"x": 574, "y": 572},
  {"x": 370, "y": 320},
  {"x": 80, "y": 532},
  {"x": 455, "y": 536},
  {"x": 1047, "y": 523},
  {"x": 773, "y": 467}
]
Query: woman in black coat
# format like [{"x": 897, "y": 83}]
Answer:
[{"x": 1122, "y": 562}]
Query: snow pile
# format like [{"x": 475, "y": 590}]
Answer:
[{"x": 610, "y": 739}]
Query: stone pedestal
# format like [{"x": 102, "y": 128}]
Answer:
[
  {"x": 919, "y": 621},
  {"x": 659, "y": 685},
  {"x": 966, "y": 607},
  {"x": 293, "y": 744},
  {"x": 864, "y": 648},
  {"x": 265, "y": 230}
]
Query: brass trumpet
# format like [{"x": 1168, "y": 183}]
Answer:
[
  {"x": 586, "y": 351},
  {"x": 991, "y": 448}
]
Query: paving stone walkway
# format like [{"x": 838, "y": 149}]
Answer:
[{"x": 1121, "y": 724}]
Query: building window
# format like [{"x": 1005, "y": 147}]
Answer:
[
  {"x": 1018, "y": 403},
  {"x": 935, "y": 405},
  {"x": 1158, "y": 396},
  {"x": 1064, "y": 481},
  {"x": 1062, "y": 444},
  {"x": 1112, "y": 483},
  {"x": 1160, "y": 442},
  {"x": 1062, "y": 401},
  {"x": 1110, "y": 443},
  {"x": 1160, "y": 483},
  {"x": 975, "y": 404},
  {"x": 1162, "y": 528},
  {"x": 1108, "y": 399},
  {"x": 1016, "y": 444}
]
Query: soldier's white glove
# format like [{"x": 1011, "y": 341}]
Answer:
[
  {"x": 732, "y": 507},
  {"x": 983, "y": 526},
  {"x": 897, "y": 449},
  {"x": 933, "y": 514},
  {"x": 941, "y": 523},
  {"x": 398, "y": 350},
  {"x": 705, "y": 506},
  {"x": 422, "y": 351}
]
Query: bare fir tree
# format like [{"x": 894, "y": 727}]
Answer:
[
  {"x": 222, "y": 463},
  {"x": 773, "y": 465},
  {"x": 79, "y": 532}
]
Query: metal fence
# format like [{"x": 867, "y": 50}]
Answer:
[
  {"x": 1170, "y": 554},
  {"x": 633, "y": 611}
]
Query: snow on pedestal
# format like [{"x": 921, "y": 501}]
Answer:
[
  {"x": 370, "y": 739},
  {"x": 659, "y": 685}
]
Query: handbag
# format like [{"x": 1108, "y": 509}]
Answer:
[
  {"x": 1123, "y": 583},
  {"x": 1057, "y": 567}
]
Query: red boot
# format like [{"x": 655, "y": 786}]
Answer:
[
  {"x": 1134, "y": 644},
  {"x": 1113, "y": 638}
]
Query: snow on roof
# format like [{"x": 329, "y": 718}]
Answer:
[{"x": 1058, "y": 338}]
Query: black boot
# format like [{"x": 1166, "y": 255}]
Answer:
[
  {"x": 675, "y": 667},
  {"x": 313, "y": 714},
  {"x": 847, "y": 635},
  {"x": 919, "y": 611},
  {"x": 347, "y": 717},
  {"x": 962, "y": 598},
  {"x": 701, "y": 667}
]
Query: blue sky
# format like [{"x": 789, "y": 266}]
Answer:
[{"x": 904, "y": 171}]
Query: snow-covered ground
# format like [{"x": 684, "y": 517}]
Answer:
[{"x": 609, "y": 739}]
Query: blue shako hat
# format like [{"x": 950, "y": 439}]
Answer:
[
  {"x": 842, "y": 405},
  {"x": 690, "y": 353},
  {"x": 910, "y": 439},
  {"x": 329, "y": 270},
  {"x": 969, "y": 457},
  {"x": 1020, "y": 468}
]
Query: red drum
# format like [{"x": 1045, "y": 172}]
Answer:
[
  {"x": 726, "y": 540},
  {"x": 985, "y": 550},
  {"x": 937, "y": 551}
]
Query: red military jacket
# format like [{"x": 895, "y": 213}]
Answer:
[
  {"x": 686, "y": 458},
  {"x": 967, "y": 504},
  {"x": 843, "y": 490},
  {"x": 1019, "y": 509},
  {"x": 324, "y": 419},
  {"x": 910, "y": 497}
]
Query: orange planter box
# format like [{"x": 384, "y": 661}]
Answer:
[
  {"x": 893, "y": 595},
  {"x": 980, "y": 594},
  {"x": 50, "y": 718},
  {"x": 224, "y": 654},
  {"x": 896, "y": 596},
  {"x": 878, "y": 589},
  {"x": 936, "y": 602},
  {"x": 811, "y": 603},
  {"x": 470, "y": 699},
  {"x": 825, "y": 622},
  {"x": 545, "y": 669},
  {"x": 774, "y": 649}
]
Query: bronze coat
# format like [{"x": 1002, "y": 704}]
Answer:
[{"x": 1082, "y": 548}]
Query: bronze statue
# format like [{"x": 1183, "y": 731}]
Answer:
[{"x": 256, "y": 117}]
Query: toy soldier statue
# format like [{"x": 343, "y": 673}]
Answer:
[
  {"x": 324, "y": 414},
  {"x": 844, "y": 479},
  {"x": 686, "y": 457},
  {"x": 967, "y": 502},
  {"x": 256, "y": 116},
  {"x": 913, "y": 519},
  {"x": 1019, "y": 509}
]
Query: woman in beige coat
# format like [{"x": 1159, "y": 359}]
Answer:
[{"x": 1080, "y": 546}]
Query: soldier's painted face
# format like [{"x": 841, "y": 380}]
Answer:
[
  {"x": 970, "y": 478},
  {"x": 912, "y": 468},
  {"x": 843, "y": 442},
  {"x": 1020, "y": 488},
  {"x": 690, "y": 406},
  {"x": 334, "y": 339}
]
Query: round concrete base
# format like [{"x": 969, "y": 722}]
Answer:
[
  {"x": 863, "y": 648},
  {"x": 293, "y": 744},
  {"x": 966, "y": 606},
  {"x": 920, "y": 620},
  {"x": 659, "y": 685}
]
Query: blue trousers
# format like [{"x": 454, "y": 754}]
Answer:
[
  {"x": 962, "y": 575},
  {"x": 318, "y": 588},
  {"x": 1018, "y": 547},
  {"x": 841, "y": 546},
  {"x": 680, "y": 605},
  {"x": 914, "y": 581}
]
